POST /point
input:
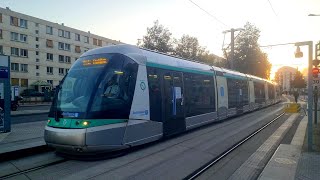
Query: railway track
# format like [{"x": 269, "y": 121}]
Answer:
[{"x": 214, "y": 161}]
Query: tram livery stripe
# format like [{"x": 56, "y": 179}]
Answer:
[{"x": 79, "y": 123}]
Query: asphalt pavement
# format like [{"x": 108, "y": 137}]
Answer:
[
  {"x": 29, "y": 118},
  {"x": 36, "y": 107}
]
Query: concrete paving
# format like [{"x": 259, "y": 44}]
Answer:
[
  {"x": 289, "y": 162},
  {"x": 253, "y": 166},
  {"x": 22, "y": 136}
]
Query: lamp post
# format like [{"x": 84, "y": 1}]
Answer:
[
  {"x": 310, "y": 97},
  {"x": 232, "y": 30}
]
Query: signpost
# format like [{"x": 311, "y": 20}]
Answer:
[{"x": 5, "y": 97}]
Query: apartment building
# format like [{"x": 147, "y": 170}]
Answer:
[
  {"x": 42, "y": 52},
  {"x": 284, "y": 76}
]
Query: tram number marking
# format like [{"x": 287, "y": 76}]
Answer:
[{"x": 316, "y": 81}]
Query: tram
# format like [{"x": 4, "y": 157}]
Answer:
[{"x": 121, "y": 96}]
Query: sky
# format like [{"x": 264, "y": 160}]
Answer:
[{"x": 284, "y": 21}]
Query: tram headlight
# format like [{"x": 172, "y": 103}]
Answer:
[
  {"x": 85, "y": 123},
  {"x": 49, "y": 121}
]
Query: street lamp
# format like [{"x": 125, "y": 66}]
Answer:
[{"x": 310, "y": 97}]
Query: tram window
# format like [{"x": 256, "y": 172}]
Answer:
[
  {"x": 154, "y": 93},
  {"x": 237, "y": 93},
  {"x": 199, "y": 94},
  {"x": 115, "y": 92},
  {"x": 259, "y": 92},
  {"x": 271, "y": 92}
]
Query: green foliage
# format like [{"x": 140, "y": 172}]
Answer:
[
  {"x": 248, "y": 57},
  {"x": 157, "y": 38},
  {"x": 298, "y": 81}
]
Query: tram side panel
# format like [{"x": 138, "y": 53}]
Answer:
[
  {"x": 140, "y": 129},
  {"x": 222, "y": 90}
]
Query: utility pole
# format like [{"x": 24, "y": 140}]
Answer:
[{"x": 232, "y": 30}]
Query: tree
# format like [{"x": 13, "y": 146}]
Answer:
[
  {"x": 248, "y": 57},
  {"x": 157, "y": 38},
  {"x": 188, "y": 47},
  {"x": 298, "y": 81}
]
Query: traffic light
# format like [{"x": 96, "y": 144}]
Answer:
[{"x": 315, "y": 72}]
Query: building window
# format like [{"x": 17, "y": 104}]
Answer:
[
  {"x": 37, "y": 60},
  {"x": 50, "y": 81},
  {"x": 78, "y": 49},
  {"x": 24, "y": 82},
  {"x": 49, "y": 43},
  {"x": 24, "y": 67},
  {"x": 61, "y": 33},
  {"x": 49, "y": 30},
  {"x": 86, "y": 39},
  {"x": 1, "y": 49},
  {"x": 50, "y": 56},
  {"x": 14, "y": 36},
  {"x": 76, "y": 58},
  {"x": 14, "y": 67},
  {"x": 95, "y": 41},
  {"x": 14, "y": 82},
  {"x": 37, "y": 24},
  {"x": 49, "y": 70},
  {"x": 0, "y": 33},
  {"x": 37, "y": 74},
  {"x": 99, "y": 42},
  {"x": 77, "y": 37},
  {"x": 0, "y": 18},
  {"x": 37, "y": 31},
  {"x": 14, "y": 51},
  {"x": 23, "y": 38},
  {"x": 67, "y": 34},
  {"x": 23, "y": 52},
  {"x": 37, "y": 46},
  {"x": 23, "y": 23},
  {"x": 37, "y": 67},
  {"x": 64, "y": 46},
  {"x": 14, "y": 21},
  {"x": 61, "y": 58},
  {"x": 68, "y": 59},
  {"x": 67, "y": 47},
  {"x": 61, "y": 71},
  {"x": 37, "y": 39},
  {"x": 67, "y": 70},
  {"x": 86, "y": 49},
  {"x": 37, "y": 53}
]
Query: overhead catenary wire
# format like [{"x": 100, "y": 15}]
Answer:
[
  {"x": 272, "y": 8},
  {"x": 214, "y": 17}
]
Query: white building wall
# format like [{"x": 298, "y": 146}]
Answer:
[{"x": 31, "y": 43}]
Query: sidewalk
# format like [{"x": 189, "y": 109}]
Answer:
[
  {"x": 290, "y": 161},
  {"x": 28, "y": 112},
  {"x": 22, "y": 136}
]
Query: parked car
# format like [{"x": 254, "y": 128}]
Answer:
[{"x": 31, "y": 92}]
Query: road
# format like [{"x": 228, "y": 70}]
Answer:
[
  {"x": 41, "y": 107},
  {"x": 29, "y": 118}
]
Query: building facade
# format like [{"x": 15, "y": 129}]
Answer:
[
  {"x": 284, "y": 76},
  {"x": 42, "y": 52}
]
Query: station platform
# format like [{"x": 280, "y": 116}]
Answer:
[
  {"x": 24, "y": 136},
  {"x": 293, "y": 161}
]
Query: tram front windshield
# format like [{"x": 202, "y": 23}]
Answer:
[{"x": 100, "y": 84}]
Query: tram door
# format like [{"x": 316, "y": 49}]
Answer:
[{"x": 174, "y": 114}]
